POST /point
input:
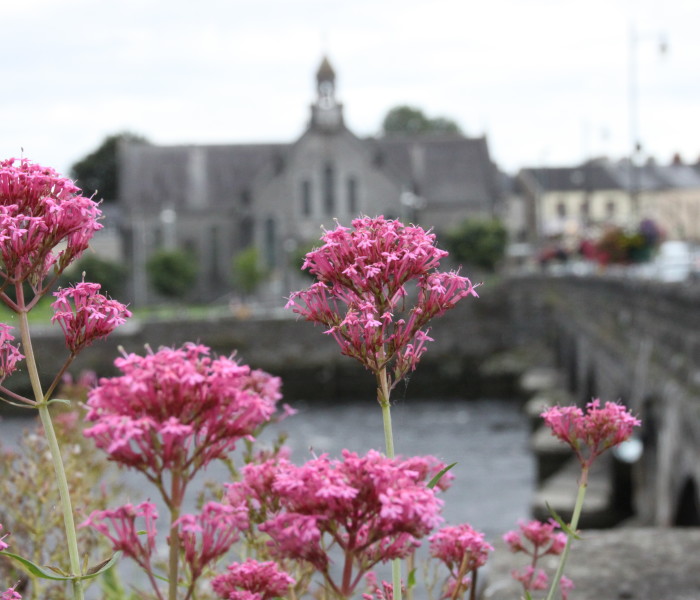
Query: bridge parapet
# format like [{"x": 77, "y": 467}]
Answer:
[{"x": 637, "y": 342}]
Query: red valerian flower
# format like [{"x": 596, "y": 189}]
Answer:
[
  {"x": 252, "y": 580},
  {"x": 537, "y": 539},
  {"x": 124, "y": 533},
  {"x": 452, "y": 544},
  {"x": 372, "y": 508},
  {"x": 463, "y": 550},
  {"x": 594, "y": 432},
  {"x": 45, "y": 223},
  {"x": 85, "y": 315},
  {"x": 210, "y": 534},
  {"x": 178, "y": 409},
  {"x": 9, "y": 354},
  {"x": 361, "y": 294}
]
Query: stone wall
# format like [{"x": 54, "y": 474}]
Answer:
[{"x": 310, "y": 362}]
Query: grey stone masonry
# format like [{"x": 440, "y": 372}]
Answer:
[{"x": 628, "y": 563}]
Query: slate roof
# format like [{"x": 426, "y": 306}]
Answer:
[
  {"x": 444, "y": 169},
  {"x": 567, "y": 179},
  {"x": 679, "y": 176},
  {"x": 162, "y": 172}
]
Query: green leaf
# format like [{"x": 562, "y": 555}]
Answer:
[
  {"x": 411, "y": 580},
  {"x": 61, "y": 400},
  {"x": 434, "y": 481},
  {"x": 564, "y": 526},
  {"x": 528, "y": 596},
  {"x": 35, "y": 569},
  {"x": 17, "y": 404},
  {"x": 56, "y": 574}
]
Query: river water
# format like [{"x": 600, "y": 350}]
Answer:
[{"x": 488, "y": 439}]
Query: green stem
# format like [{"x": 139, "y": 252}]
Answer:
[
  {"x": 174, "y": 558},
  {"x": 54, "y": 449},
  {"x": 583, "y": 485},
  {"x": 384, "y": 401},
  {"x": 388, "y": 431}
]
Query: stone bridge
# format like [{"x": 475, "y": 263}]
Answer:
[{"x": 638, "y": 342}]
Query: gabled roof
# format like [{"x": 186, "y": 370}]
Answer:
[
  {"x": 589, "y": 176},
  {"x": 679, "y": 176},
  {"x": 158, "y": 172},
  {"x": 443, "y": 169}
]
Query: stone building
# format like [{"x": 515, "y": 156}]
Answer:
[{"x": 216, "y": 200}]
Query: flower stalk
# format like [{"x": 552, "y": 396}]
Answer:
[
  {"x": 56, "y": 458},
  {"x": 578, "y": 507}
]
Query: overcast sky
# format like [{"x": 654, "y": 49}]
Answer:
[{"x": 546, "y": 80}]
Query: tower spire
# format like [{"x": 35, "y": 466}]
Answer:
[{"x": 326, "y": 112}]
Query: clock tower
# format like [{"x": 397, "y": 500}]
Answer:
[{"x": 326, "y": 112}]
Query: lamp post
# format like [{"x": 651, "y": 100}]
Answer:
[{"x": 633, "y": 98}]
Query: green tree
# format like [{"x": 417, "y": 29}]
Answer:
[
  {"x": 172, "y": 273},
  {"x": 478, "y": 242},
  {"x": 410, "y": 120},
  {"x": 110, "y": 274},
  {"x": 299, "y": 256},
  {"x": 247, "y": 271},
  {"x": 97, "y": 173}
]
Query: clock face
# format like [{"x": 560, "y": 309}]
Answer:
[{"x": 325, "y": 89}]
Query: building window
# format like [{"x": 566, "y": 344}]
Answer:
[
  {"x": 610, "y": 209},
  {"x": 306, "y": 198},
  {"x": 270, "y": 235},
  {"x": 245, "y": 233},
  {"x": 585, "y": 209},
  {"x": 214, "y": 250},
  {"x": 561, "y": 210},
  {"x": 352, "y": 196},
  {"x": 328, "y": 189}
]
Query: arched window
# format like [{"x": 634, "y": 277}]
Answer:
[
  {"x": 306, "y": 207},
  {"x": 270, "y": 242},
  {"x": 352, "y": 196},
  {"x": 329, "y": 189}
]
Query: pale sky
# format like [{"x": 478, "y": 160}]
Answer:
[{"x": 546, "y": 80}]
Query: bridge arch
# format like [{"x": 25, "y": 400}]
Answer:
[{"x": 687, "y": 511}]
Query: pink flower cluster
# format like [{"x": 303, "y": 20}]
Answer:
[
  {"x": 178, "y": 409},
  {"x": 210, "y": 534},
  {"x": 372, "y": 508},
  {"x": 361, "y": 291},
  {"x": 591, "y": 433},
  {"x": 9, "y": 353},
  {"x": 385, "y": 591},
  {"x": 126, "y": 536},
  {"x": 85, "y": 315},
  {"x": 537, "y": 539},
  {"x": 40, "y": 209},
  {"x": 460, "y": 547},
  {"x": 252, "y": 580}
]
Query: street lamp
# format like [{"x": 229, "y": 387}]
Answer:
[{"x": 633, "y": 97}]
